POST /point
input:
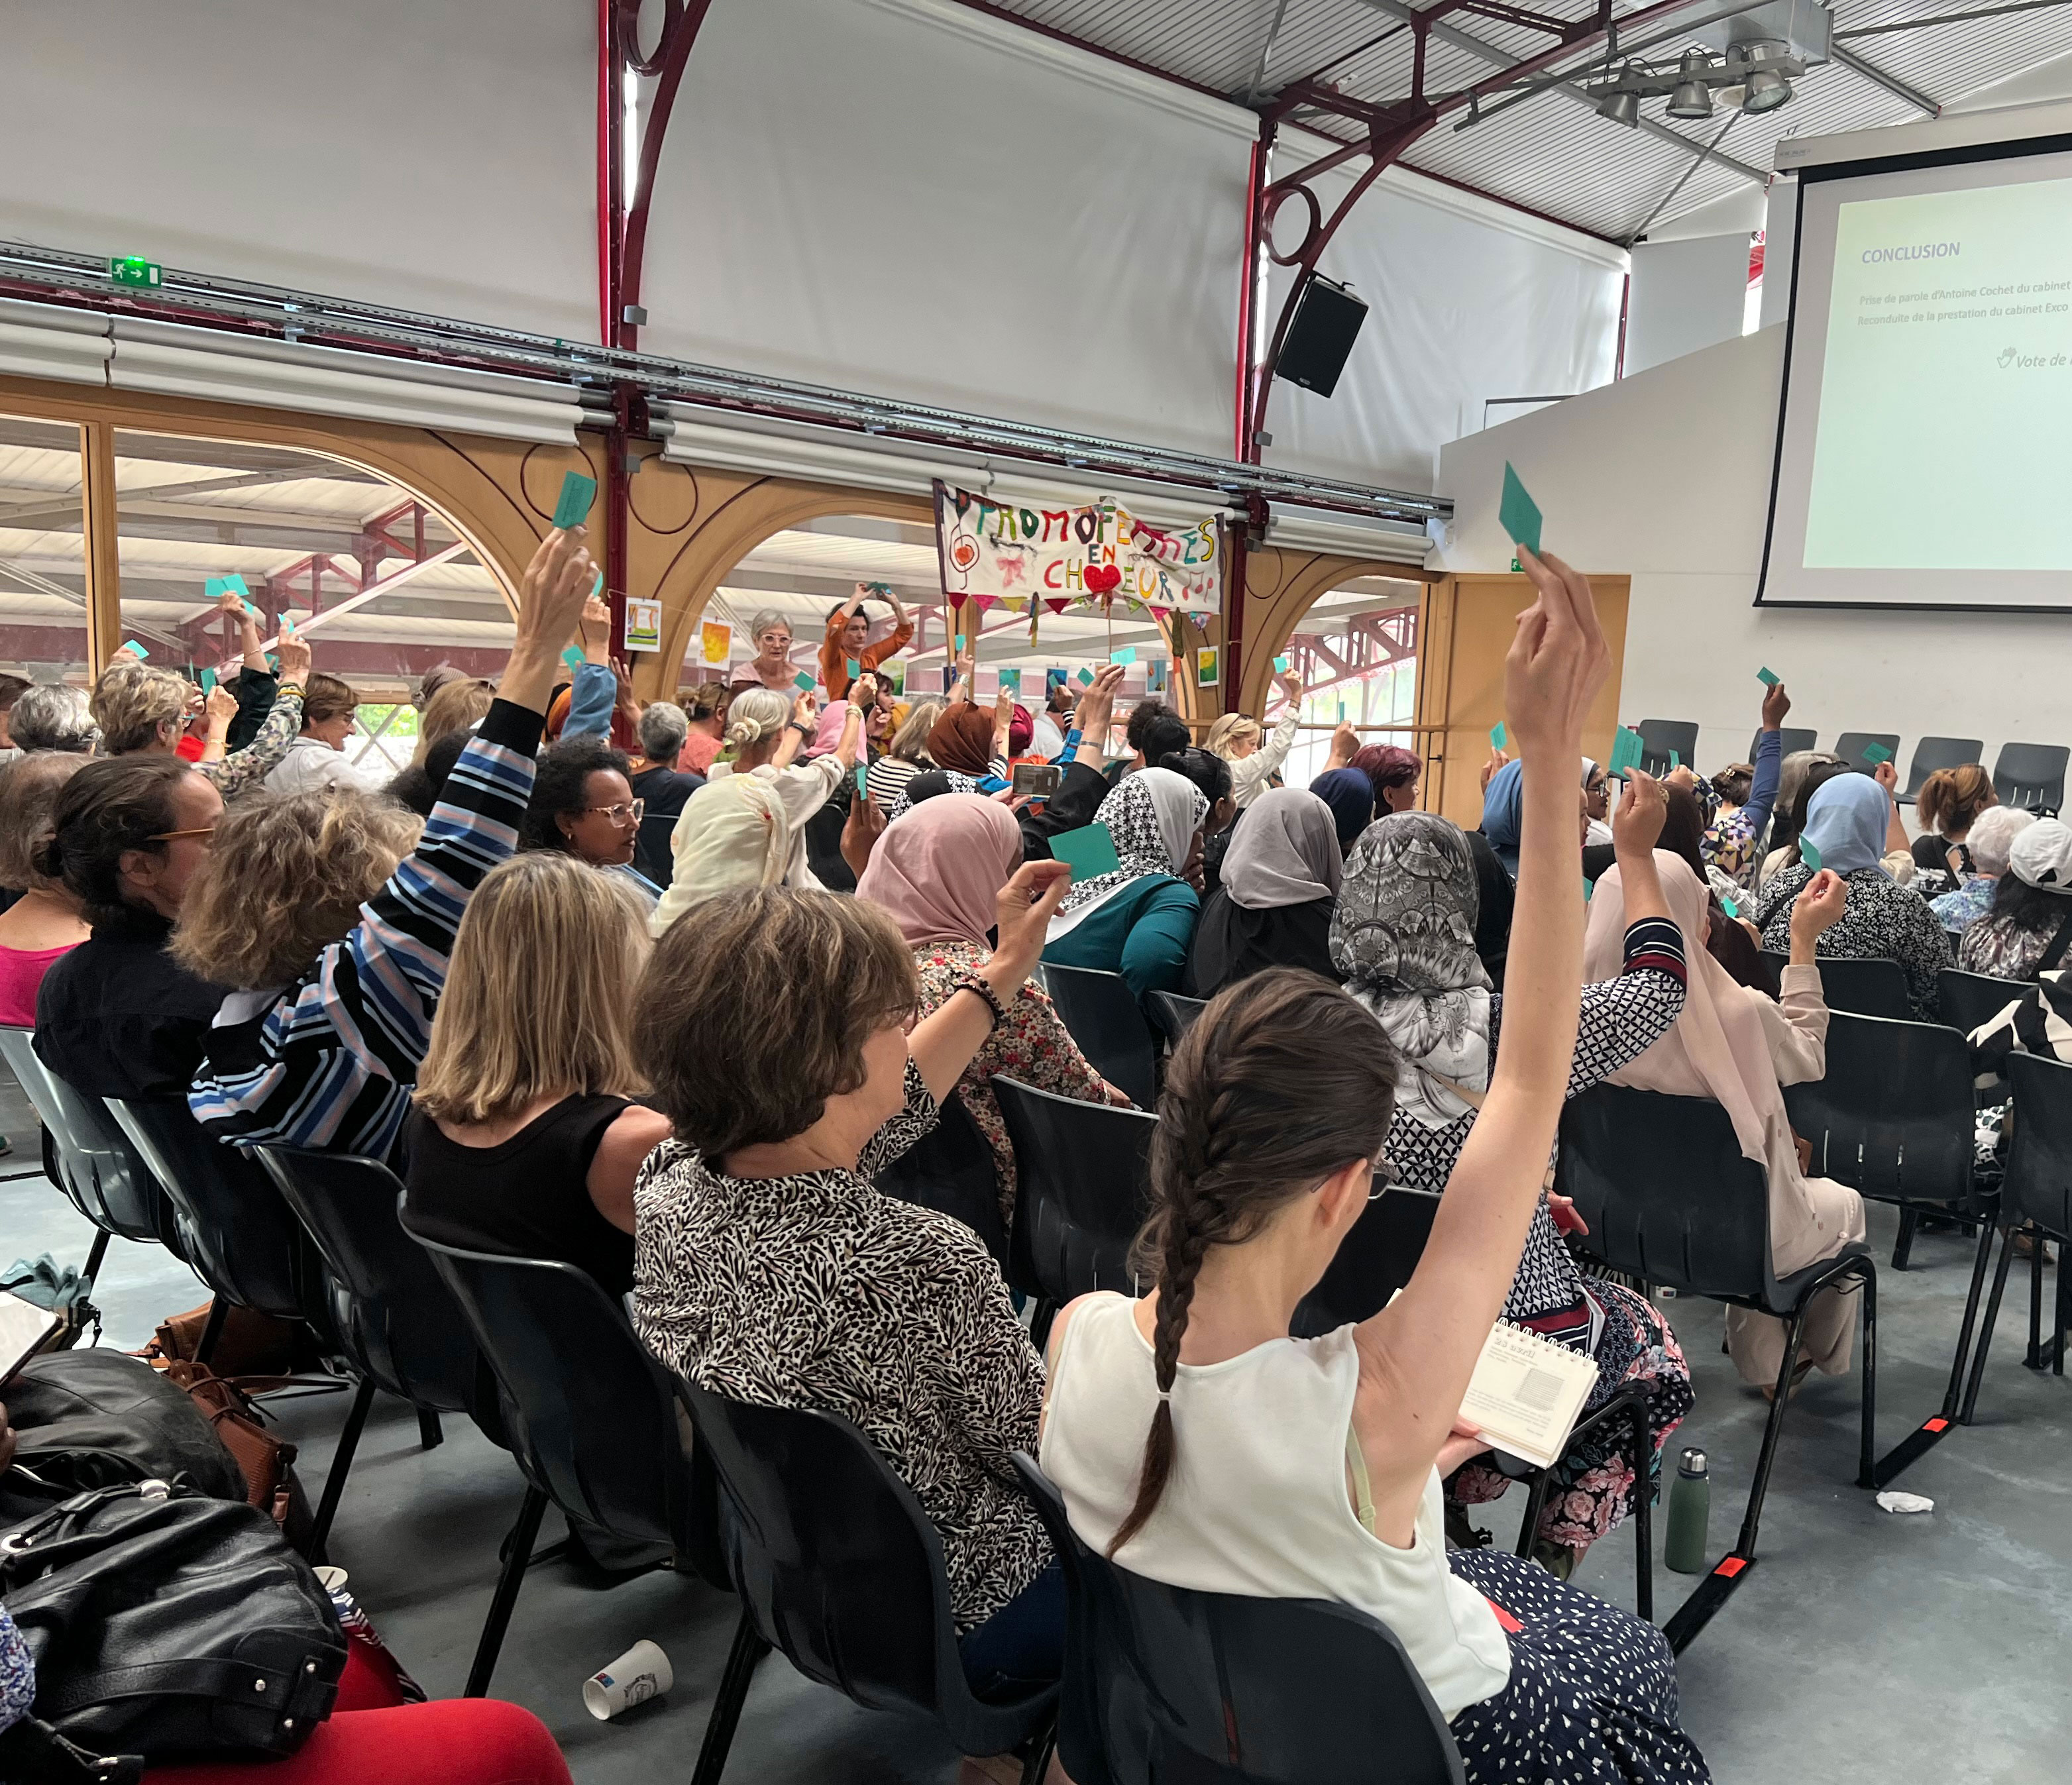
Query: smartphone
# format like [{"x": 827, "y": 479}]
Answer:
[{"x": 1037, "y": 780}]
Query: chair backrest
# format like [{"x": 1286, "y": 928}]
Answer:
[
  {"x": 2031, "y": 774},
  {"x": 1849, "y": 746},
  {"x": 1373, "y": 1262},
  {"x": 1082, "y": 1172},
  {"x": 2039, "y": 1162},
  {"x": 1666, "y": 1192},
  {"x": 1169, "y": 1686},
  {"x": 1894, "y": 1115},
  {"x": 952, "y": 1169},
  {"x": 835, "y": 1561},
  {"x": 1876, "y": 987},
  {"x": 1105, "y": 1019},
  {"x": 1931, "y": 754},
  {"x": 1789, "y": 738},
  {"x": 1659, "y": 737},
  {"x": 590, "y": 1415},
  {"x": 1968, "y": 1000},
  {"x": 1173, "y": 1015},
  {"x": 234, "y": 1230},
  {"x": 101, "y": 1172},
  {"x": 405, "y": 1328}
]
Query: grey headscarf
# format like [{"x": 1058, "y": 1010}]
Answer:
[
  {"x": 1404, "y": 938},
  {"x": 1285, "y": 853}
]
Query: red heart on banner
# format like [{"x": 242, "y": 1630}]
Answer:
[{"x": 1102, "y": 577}]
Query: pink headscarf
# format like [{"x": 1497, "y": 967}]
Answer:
[
  {"x": 828, "y": 734},
  {"x": 938, "y": 869}
]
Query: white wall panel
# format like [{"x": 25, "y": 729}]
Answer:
[
  {"x": 1686, "y": 295},
  {"x": 1468, "y": 301},
  {"x": 906, "y": 197},
  {"x": 438, "y": 157}
]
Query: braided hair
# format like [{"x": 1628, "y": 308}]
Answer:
[{"x": 1282, "y": 1081}]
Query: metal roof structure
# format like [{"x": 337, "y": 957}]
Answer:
[{"x": 1552, "y": 154}]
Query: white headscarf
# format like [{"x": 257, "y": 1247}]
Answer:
[
  {"x": 1152, "y": 817},
  {"x": 732, "y": 834}
]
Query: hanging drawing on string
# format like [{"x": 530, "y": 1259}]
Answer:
[{"x": 992, "y": 552}]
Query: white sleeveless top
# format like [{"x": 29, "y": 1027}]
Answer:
[{"x": 1257, "y": 1503}]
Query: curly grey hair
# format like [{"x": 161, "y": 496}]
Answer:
[{"x": 53, "y": 716}]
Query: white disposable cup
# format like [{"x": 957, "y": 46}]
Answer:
[
  {"x": 641, "y": 1673},
  {"x": 331, "y": 1579}
]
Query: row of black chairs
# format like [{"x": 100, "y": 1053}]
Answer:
[{"x": 2024, "y": 775}]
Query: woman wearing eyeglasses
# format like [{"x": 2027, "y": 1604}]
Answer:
[{"x": 583, "y": 805}]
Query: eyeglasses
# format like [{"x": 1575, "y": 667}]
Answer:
[
  {"x": 623, "y": 813},
  {"x": 170, "y": 836}
]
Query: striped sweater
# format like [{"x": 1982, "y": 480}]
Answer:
[{"x": 330, "y": 1061}]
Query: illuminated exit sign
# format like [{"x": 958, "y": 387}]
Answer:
[{"x": 134, "y": 269}]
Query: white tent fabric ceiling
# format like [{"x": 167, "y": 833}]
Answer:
[{"x": 1552, "y": 154}]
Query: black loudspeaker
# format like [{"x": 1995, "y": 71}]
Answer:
[{"x": 1320, "y": 339}]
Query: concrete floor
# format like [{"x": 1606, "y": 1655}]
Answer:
[{"x": 1864, "y": 1647}]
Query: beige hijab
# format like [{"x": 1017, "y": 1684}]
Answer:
[
  {"x": 1719, "y": 1048},
  {"x": 732, "y": 834}
]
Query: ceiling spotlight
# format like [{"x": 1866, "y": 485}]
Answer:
[
  {"x": 1692, "y": 97},
  {"x": 1621, "y": 109},
  {"x": 1767, "y": 90}
]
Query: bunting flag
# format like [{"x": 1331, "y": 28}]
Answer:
[{"x": 990, "y": 550}]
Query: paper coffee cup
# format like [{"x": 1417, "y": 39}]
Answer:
[
  {"x": 641, "y": 1673},
  {"x": 331, "y": 1579}
]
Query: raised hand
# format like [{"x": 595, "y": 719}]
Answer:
[
  {"x": 295, "y": 654},
  {"x": 1557, "y": 662},
  {"x": 221, "y": 708},
  {"x": 806, "y": 709},
  {"x": 1636, "y": 821},
  {"x": 1886, "y": 775},
  {"x": 1291, "y": 684},
  {"x": 1023, "y": 910},
  {"x": 1776, "y": 703},
  {"x": 1496, "y": 759},
  {"x": 554, "y": 591},
  {"x": 1345, "y": 745},
  {"x": 1090, "y": 718}
]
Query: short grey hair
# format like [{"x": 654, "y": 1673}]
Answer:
[
  {"x": 53, "y": 716},
  {"x": 1992, "y": 834},
  {"x": 664, "y": 728},
  {"x": 755, "y": 713},
  {"x": 767, "y": 619}
]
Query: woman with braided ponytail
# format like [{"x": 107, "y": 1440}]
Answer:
[{"x": 1284, "y": 1468}]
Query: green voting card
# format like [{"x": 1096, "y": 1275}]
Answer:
[
  {"x": 855, "y": 668},
  {"x": 1086, "y": 678},
  {"x": 1127, "y": 654},
  {"x": 1625, "y": 753},
  {"x": 133, "y": 646},
  {"x": 574, "y": 658},
  {"x": 1519, "y": 513},
  {"x": 1496, "y": 734},
  {"x": 803, "y": 683},
  {"x": 1281, "y": 666},
  {"x": 1769, "y": 678},
  {"x": 577, "y": 492},
  {"x": 1875, "y": 753},
  {"x": 1088, "y": 852},
  {"x": 862, "y": 769},
  {"x": 1809, "y": 854}
]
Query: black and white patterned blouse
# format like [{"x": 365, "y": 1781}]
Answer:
[
  {"x": 1620, "y": 1020},
  {"x": 1883, "y": 921},
  {"x": 817, "y": 1291}
]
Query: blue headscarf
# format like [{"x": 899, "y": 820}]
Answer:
[
  {"x": 1350, "y": 795},
  {"x": 1846, "y": 821},
  {"x": 1503, "y": 814}
]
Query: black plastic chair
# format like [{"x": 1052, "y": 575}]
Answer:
[
  {"x": 235, "y": 1230},
  {"x": 2032, "y": 775},
  {"x": 1167, "y": 1686},
  {"x": 1849, "y": 746},
  {"x": 99, "y": 1169},
  {"x": 1173, "y": 1015},
  {"x": 1893, "y": 1119},
  {"x": 398, "y": 1323},
  {"x": 591, "y": 1417},
  {"x": 952, "y": 1169},
  {"x": 1790, "y": 739},
  {"x": 1374, "y": 1260},
  {"x": 1670, "y": 1200},
  {"x": 1105, "y": 1019},
  {"x": 1967, "y": 1001},
  {"x": 1932, "y": 754},
  {"x": 1659, "y": 737},
  {"x": 1082, "y": 1172},
  {"x": 837, "y": 1565},
  {"x": 1875, "y": 988},
  {"x": 2036, "y": 1192}
]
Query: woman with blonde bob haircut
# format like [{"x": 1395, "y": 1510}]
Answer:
[{"x": 525, "y": 1139}]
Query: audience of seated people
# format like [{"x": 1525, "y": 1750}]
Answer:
[
  {"x": 44, "y": 924},
  {"x": 1138, "y": 919},
  {"x": 1256, "y": 758},
  {"x": 315, "y": 758},
  {"x": 662, "y": 788},
  {"x": 1279, "y": 887},
  {"x": 1950, "y": 802},
  {"x": 2028, "y": 930},
  {"x": 1987, "y": 844}
]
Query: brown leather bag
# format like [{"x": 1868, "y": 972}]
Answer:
[
  {"x": 267, "y": 1463},
  {"x": 251, "y": 1343}
]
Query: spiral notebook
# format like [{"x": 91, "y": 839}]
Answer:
[{"x": 1526, "y": 1393}]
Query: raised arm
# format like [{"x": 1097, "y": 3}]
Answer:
[
  {"x": 1418, "y": 1354},
  {"x": 244, "y": 769}
]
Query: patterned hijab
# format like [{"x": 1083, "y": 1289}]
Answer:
[
  {"x": 1404, "y": 938},
  {"x": 1152, "y": 817}
]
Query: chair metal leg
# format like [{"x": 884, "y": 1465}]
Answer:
[
  {"x": 748, "y": 1649},
  {"x": 517, "y": 1554},
  {"x": 95, "y": 1253},
  {"x": 1968, "y": 1330},
  {"x": 1986, "y": 1329},
  {"x": 1866, "y": 1471},
  {"x": 2034, "y": 1359},
  {"x": 1902, "y": 1248},
  {"x": 431, "y": 1433},
  {"x": 341, "y": 1465},
  {"x": 1644, "y": 1513},
  {"x": 1039, "y": 1762},
  {"x": 2058, "y": 1343},
  {"x": 212, "y": 1330}
]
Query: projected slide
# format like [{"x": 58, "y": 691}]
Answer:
[{"x": 1927, "y": 451}]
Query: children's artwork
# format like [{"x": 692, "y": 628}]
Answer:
[
  {"x": 715, "y": 641},
  {"x": 1096, "y": 551},
  {"x": 1208, "y": 667},
  {"x": 643, "y": 624},
  {"x": 1053, "y": 680},
  {"x": 577, "y": 492},
  {"x": 1155, "y": 675}
]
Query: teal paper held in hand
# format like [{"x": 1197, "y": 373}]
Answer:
[
  {"x": 1769, "y": 678},
  {"x": 1280, "y": 666},
  {"x": 577, "y": 492},
  {"x": 1519, "y": 513},
  {"x": 1875, "y": 753},
  {"x": 1086, "y": 678},
  {"x": 1088, "y": 852},
  {"x": 574, "y": 658},
  {"x": 1625, "y": 753},
  {"x": 1808, "y": 854},
  {"x": 1496, "y": 734},
  {"x": 862, "y": 769},
  {"x": 855, "y": 668},
  {"x": 802, "y": 682},
  {"x": 1127, "y": 654}
]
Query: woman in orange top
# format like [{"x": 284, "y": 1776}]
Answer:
[{"x": 848, "y": 628}]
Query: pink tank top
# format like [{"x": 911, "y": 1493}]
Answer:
[{"x": 21, "y": 972}]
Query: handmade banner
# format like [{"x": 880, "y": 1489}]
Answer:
[{"x": 995, "y": 552}]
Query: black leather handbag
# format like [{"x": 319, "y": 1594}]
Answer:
[{"x": 171, "y": 1625}]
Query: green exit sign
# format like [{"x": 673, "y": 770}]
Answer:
[{"x": 134, "y": 269}]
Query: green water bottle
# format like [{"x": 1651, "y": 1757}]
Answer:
[{"x": 1690, "y": 1506}]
